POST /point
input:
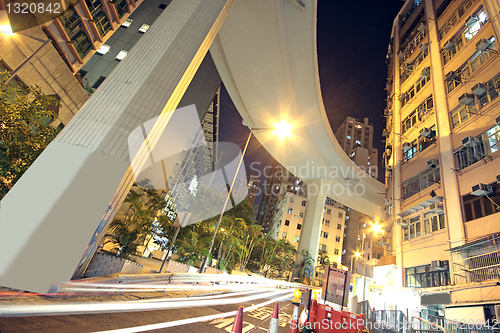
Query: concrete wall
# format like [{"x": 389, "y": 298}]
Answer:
[{"x": 105, "y": 264}]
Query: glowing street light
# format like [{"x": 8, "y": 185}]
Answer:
[
  {"x": 282, "y": 130},
  {"x": 5, "y": 27}
]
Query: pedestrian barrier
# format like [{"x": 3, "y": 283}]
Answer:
[
  {"x": 324, "y": 319},
  {"x": 238, "y": 321},
  {"x": 273, "y": 324}
]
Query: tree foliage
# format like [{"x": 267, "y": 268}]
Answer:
[{"x": 25, "y": 129}]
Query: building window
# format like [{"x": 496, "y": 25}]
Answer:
[
  {"x": 472, "y": 64},
  {"x": 296, "y": 239},
  {"x": 93, "y": 5},
  {"x": 289, "y": 210},
  {"x": 340, "y": 215},
  {"x": 301, "y": 215},
  {"x": 337, "y": 238},
  {"x": 82, "y": 44},
  {"x": 420, "y": 182},
  {"x": 479, "y": 206},
  {"x": 121, "y": 7},
  {"x": 339, "y": 226},
  {"x": 336, "y": 252},
  {"x": 304, "y": 203},
  {"x": 425, "y": 277},
  {"x": 102, "y": 23},
  {"x": 284, "y": 235},
  {"x": 325, "y": 235},
  {"x": 292, "y": 199},
  {"x": 327, "y": 223},
  {"x": 471, "y": 29},
  {"x": 323, "y": 248},
  {"x": 328, "y": 211},
  {"x": 287, "y": 222},
  {"x": 485, "y": 144},
  {"x": 299, "y": 226},
  {"x": 70, "y": 21},
  {"x": 417, "y": 114}
]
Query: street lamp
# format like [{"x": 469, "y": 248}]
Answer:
[
  {"x": 376, "y": 228},
  {"x": 282, "y": 130},
  {"x": 6, "y": 29},
  {"x": 357, "y": 255}
]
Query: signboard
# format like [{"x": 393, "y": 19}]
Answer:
[{"x": 336, "y": 285}]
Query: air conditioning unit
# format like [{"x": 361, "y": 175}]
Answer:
[
  {"x": 423, "y": 47},
  {"x": 497, "y": 120},
  {"x": 436, "y": 208},
  {"x": 421, "y": 27},
  {"x": 432, "y": 164},
  {"x": 406, "y": 147},
  {"x": 384, "y": 241},
  {"x": 483, "y": 44},
  {"x": 402, "y": 97},
  {"x": 471, "y": 20},
  {"x": 387, "y": 113},
  {"x": 441, "y": 265},
  {"x": 426, "y": 71},
  {"x": 479, "y": 89},
  {"x": 425, "y": 132},
  {"x": 468, "y": 141},
  {"x": 385, "y": 133},
  {"x": 466, "y": 99},
  {"x": 402, "y": 222},
  {"x": 480, "y": 190},
  {"x": 451, "y": 76},
  {"x": 449, "y": 45}
]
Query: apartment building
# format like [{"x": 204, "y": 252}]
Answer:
[
  {"x": 278, "y": 182},
  {"x": 289, "y": 217},
  {"x": 441, "y": 154},
  {"x": 356, "y": 139}
]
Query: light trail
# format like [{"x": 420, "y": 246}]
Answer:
[
  {"x": 158, "y": 326},
  {"x": 225, "y": 295},
  {"x": 108, "y": 307}
]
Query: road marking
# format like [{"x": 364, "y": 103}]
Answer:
[{"x": 158, "y": 326}]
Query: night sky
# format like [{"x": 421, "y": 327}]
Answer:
[{"x": 353, "y": 36}]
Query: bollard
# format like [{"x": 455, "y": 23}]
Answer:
[
  {"x": 273, "y": 324},
  {"x": 238, "y": 321},
  {"x": 294, "y": 324}
]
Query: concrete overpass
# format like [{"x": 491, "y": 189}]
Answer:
[{"x": 266, "y": 54}]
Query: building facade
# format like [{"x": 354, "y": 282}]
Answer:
[
  {"x": 278, "y": 182},
  {"x": 441, "y": 153},
  {"x": 289, "y": 218},
  {"x": 356, "y": 139}
]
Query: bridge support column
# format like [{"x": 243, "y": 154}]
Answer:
[
  {"x": 48, "y": 217},
  {"x": 310, "y": 238}
]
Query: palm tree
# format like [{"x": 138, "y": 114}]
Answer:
[{"x": 129, "y": 232}]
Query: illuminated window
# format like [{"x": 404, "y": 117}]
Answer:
[
  {"x": 121, "y": 55},
  {"x": 127, "y": 23},
  {"x": 144, "y": 28},
  {"x": 103, "y": 49}
]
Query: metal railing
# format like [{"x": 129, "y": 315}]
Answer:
[
  {"x": 395, "y": 321},
  {"x": 477, "y": 262}
]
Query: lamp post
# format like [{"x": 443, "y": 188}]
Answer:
[
  {"x": 282, "y": 130},
  {"x": 376, "y": 228}
]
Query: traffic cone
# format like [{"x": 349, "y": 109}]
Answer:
[
  {"x": 294, "y": 324},
  {"x": 238, "y": 321},
  {"x": 273, "y": 325}
]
